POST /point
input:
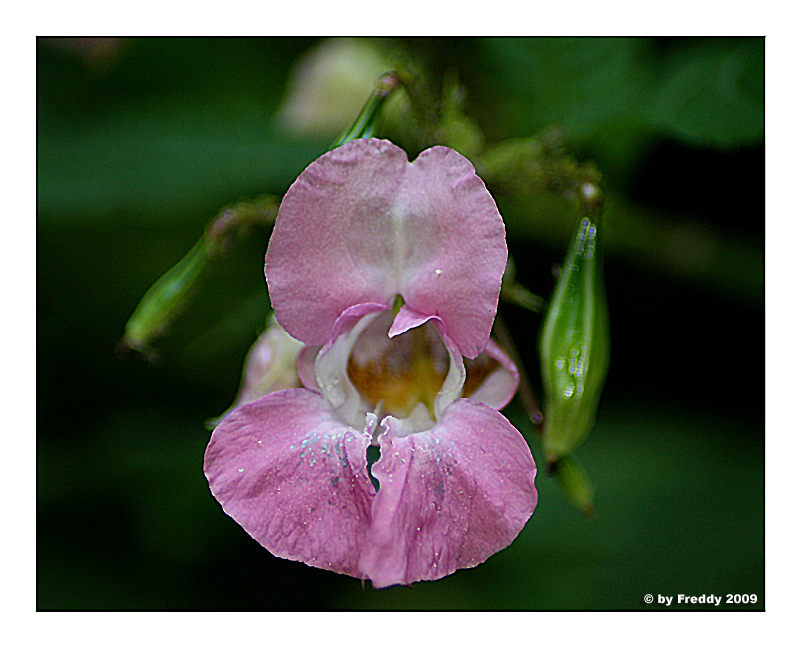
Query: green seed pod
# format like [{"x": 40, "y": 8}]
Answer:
[
  {"x": 164, "y": 300},
  {"x": 167, "y": 297},
  {"x": 574, "y": 346}
]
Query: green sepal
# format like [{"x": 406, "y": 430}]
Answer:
[{"x": 574, "y": 482}]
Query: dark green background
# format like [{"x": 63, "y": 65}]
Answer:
[{"x": 138, "y": 151}]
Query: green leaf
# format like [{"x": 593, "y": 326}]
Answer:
[
  {"x": 154, "y": 163},
  {"x": 713, "y": 93},
  {"x": 577, "y": 83}
]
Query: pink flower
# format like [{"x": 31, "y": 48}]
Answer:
[{"x": 359, "y": 227}]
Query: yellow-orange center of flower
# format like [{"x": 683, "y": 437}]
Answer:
[{"x": 402, "y": 371}]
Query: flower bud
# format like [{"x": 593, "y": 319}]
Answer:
[
  {"x": 329, "y": 85},
  {"x": 270, "y": 366},
  {"x": 167, "y": 297},
  {"x": 574, "y": 346}
]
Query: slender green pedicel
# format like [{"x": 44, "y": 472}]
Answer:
[{"x": 366, "y": 123}]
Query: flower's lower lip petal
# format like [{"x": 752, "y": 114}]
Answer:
[
  {"x": 294, "y": 478},
  {"x": 449, "y": 498}
]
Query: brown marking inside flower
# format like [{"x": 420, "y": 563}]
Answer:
[
  {"x": 478, "y": 371},
  {"x": 412, "y": 368}
]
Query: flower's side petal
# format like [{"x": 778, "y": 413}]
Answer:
[
  {"x": 408, "y": 319},
  {"x": 499, "y": 386},
  {"x": 455, "y": 247},
  {"x": 449, "y": 498},
  {"x": 306, "y": 367},
  {"x": 294, "y": 478},
  {"x": 451, "y": 389},
  {"x": 332, "y": 246},
  {"x": 331, "y": 363}
]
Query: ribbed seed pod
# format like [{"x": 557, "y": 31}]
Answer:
[{"x": 574, "y": 346}]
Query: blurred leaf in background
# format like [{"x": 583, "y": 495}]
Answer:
[
  {"x": 141, "y": 142},
  {"x": 624, "y": 101}
]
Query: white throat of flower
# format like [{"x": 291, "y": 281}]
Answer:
[{"x": 426, "y": 400}]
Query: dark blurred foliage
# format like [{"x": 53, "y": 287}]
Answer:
[{"x": 141, "y": 142}]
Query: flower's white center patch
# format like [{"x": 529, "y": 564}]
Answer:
[{"x": 402, "y": 371}]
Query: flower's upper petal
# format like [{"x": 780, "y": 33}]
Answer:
[
  {"x": 456, "y": 251},
  {"x": 449, "y": 498},
  {"x": 362, "y": 224},
  {"x": 294, "y": 478},
  {"x": 496, "y": 377}
]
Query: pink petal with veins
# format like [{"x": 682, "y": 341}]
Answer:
[
  {"x": 295, "y": 478},
  {"x": 362, "y": 224},
  {"x": 449, "y": 498}
]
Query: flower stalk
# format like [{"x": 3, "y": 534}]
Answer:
[
  {"x": 516, "y": 293},
  {"x": 367, "y": 122}
]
